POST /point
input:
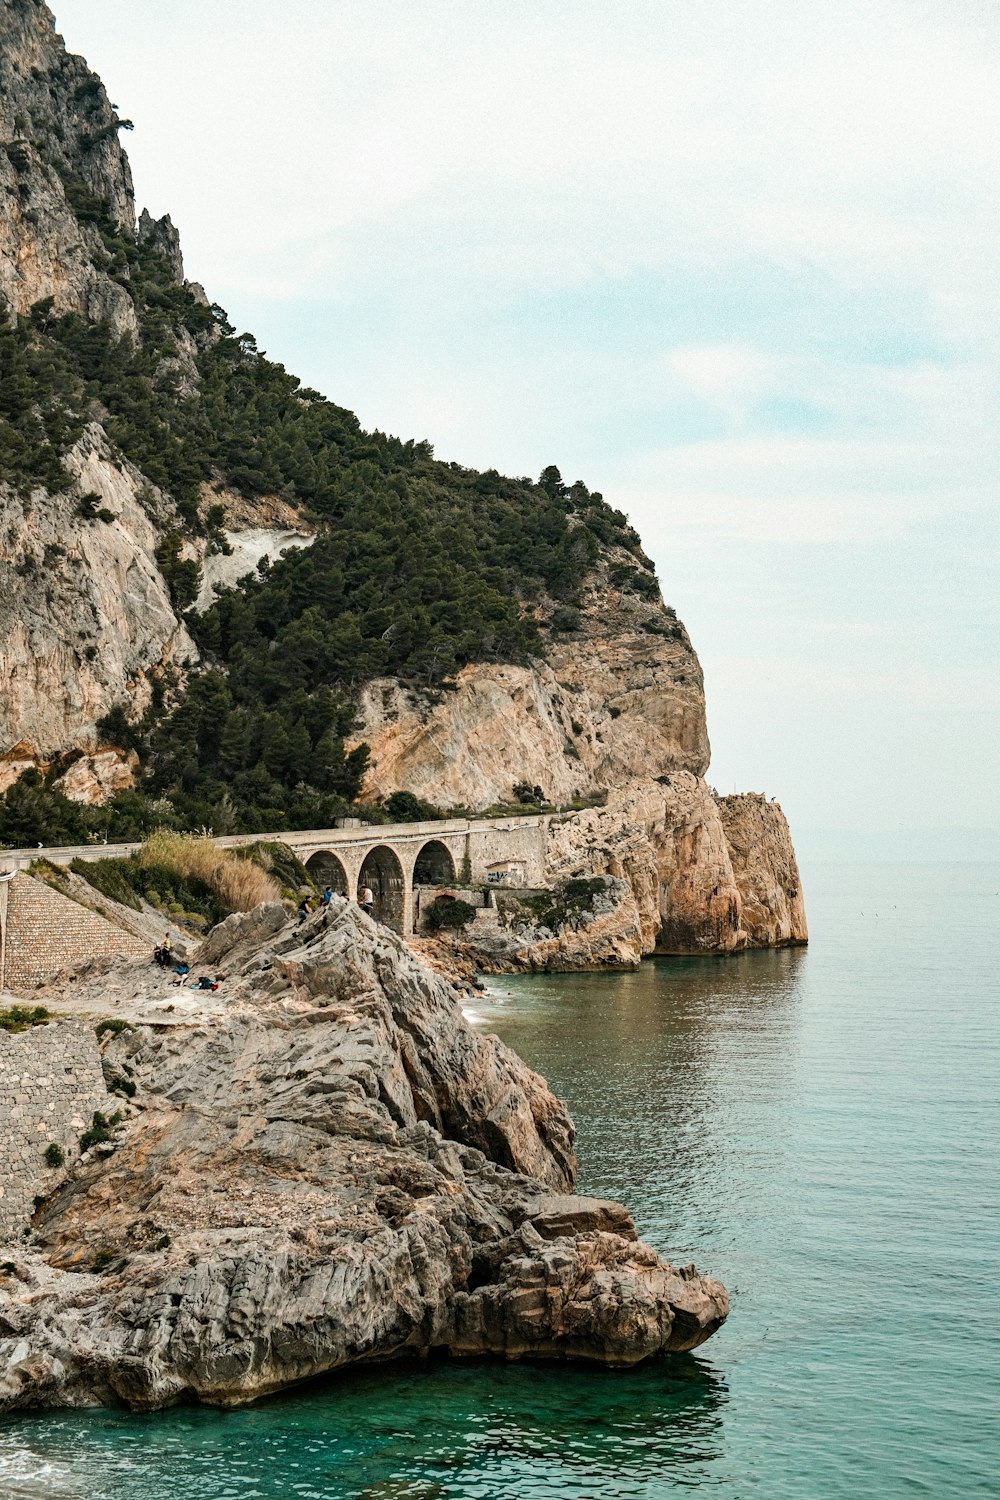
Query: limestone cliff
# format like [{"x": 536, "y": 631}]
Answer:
[
  {"x": 767, "y": 874},
  {"x": 618, "y": 709},
  {"x": 330, "y": 1167},
  {"x": 611, "y": 705},
  {"x": 85, "y": 616},
  {"x": 620, "y": 697},
  {"x": 57, "y": 127}
]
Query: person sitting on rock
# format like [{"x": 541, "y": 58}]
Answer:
[
  {"x": 305, "y": 908},
  {"x": 327, "y": 894},
  {"x": 366, "y": 899},
  {"x": 162, "y": 955}
]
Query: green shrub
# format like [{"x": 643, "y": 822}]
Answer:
[
  {"x": 55, "y": 1156},
  {"x": 20, "y": 1017},
  {"x": 449, "y": 913},
  {"x": 404, "y": 807},
  {"x": 112, "y": 1026},
  {"x": 97, "y": 1134},
  {"x": 114, "y": 878}
]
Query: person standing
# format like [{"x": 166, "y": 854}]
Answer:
[{"x": 366, "y": 899}]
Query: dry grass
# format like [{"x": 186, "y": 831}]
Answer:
[
  {"x": 239, "y": 883},
  {"x": 242, "y": 885}
]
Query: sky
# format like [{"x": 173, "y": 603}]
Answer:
[{"x": 735, "y": 264}]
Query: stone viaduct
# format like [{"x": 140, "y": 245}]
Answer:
[{"x": 400, "y": 862}]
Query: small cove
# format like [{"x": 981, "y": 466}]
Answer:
[{"x": 816, "y": 1127}]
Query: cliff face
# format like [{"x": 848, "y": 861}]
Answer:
[
  {"x": 332, "y": 1166},
  {"x": 86, "y": 621},
  {"x": 85, "y": 618},
  {"x": 766, "y": 871},
  {"x": 614, "y": 706},
  {"x": 619, "y": 698},
  {"x": 56, "y": 124}
]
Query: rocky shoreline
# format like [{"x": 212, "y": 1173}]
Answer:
[{"x": 327, "y": 1166}]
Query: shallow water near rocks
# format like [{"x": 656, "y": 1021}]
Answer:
[{"x": 816, "y": 1127}]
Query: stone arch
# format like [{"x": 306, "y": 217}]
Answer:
[
  {"x": 434, "y": 865},
  {"x": 326, "y": 869},
  {"x": 383, "y": 872}
]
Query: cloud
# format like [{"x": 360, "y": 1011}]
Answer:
[{"x": 736, "y": 264}]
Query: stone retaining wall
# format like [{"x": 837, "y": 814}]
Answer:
[
  {"x": 50, "y": 1085},
  {"x": 44, "y": 931}
]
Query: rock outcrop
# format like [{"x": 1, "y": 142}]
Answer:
[
  {"x": 772, "y": 910},
  {"x": 58, "y": 134},
  {"x": 621, "y": 697},
  {"x": 617, "y": 709},
  {"x": 589, "y": 923},
  {"x": 86, "y": 618},
  {"x": 338, "y": 1168},
  {"x": 686, "y": 873}
]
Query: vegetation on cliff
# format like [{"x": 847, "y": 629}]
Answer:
[{"x": 419, "y": 566}]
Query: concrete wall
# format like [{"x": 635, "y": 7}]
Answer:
[
  {"x": 42, "y": 931},
  {"x": 50, "y": 1085}
]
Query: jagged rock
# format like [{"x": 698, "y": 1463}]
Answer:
[
  {"x": 604, "y": 931},
  {"x": 337, "y": 1168},
  {"x": 56, "y": 121},
  {"x": 625, "y": 693},
  {"x": 772, "y": 910},
  {"x": 102, "y": 628}
]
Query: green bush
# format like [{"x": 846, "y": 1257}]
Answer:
[
  {"x": 112, "y": 1026},
  {"x": 20, "y": 1017},
  {"x": 448, "y": 913},
  {"x": 114, "y": 878},
  {"x": 55, "y": 1156},
  {"x": 97, "y": 1134},
  {"x": 404, "y": 807}
]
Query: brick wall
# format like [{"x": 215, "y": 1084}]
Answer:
[
  {"x": 50, "y": 1085},
  {"x": 44, "y": 931}
]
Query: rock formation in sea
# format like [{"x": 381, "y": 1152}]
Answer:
[
  {"x": 608, "y": 704},
  {"x": 321, "y": 1163}
]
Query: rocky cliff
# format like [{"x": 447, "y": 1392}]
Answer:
[
  {"x": 85, "y": 617},
  {"x": 58, "y": 130},
  {"x": 331, "y": 1166},
  {"x": 573, "y": 676},
  {"x": 618, "y": 697}
]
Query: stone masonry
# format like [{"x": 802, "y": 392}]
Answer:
[
  {"x": 50, "y": 1085},
  {"x": 44, "y": 931}
]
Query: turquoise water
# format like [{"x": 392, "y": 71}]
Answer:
[{"x": 818, "y": 1128}]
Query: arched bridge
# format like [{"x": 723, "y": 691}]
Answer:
[{"x": 397, "y": 861}]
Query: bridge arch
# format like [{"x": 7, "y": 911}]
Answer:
[
  {"x": 434, "y": 864},
  {"x": 382, "y": 871},
  {"x": 326, "y": 869}
]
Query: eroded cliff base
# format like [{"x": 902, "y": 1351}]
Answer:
[{"x": 327, "y": 1165}]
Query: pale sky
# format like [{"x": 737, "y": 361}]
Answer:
[{"x": 734, "y": 263}]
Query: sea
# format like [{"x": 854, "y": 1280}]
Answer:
[{"x": 817, "y": 1127}]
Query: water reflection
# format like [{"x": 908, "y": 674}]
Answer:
[
  {"x": 416, "y": 1431},
  {"x": 682, "y": 1078}
]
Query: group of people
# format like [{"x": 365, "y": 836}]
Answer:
[
  {"x": 308, "y": 904},
  {"x": 163, "y": 955}
]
